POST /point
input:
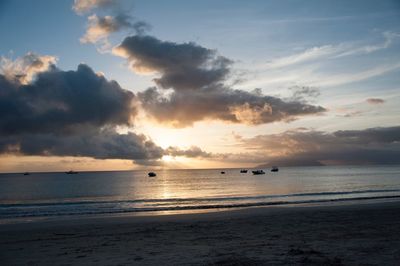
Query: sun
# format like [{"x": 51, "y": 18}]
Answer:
[{"x": 168, "y": 158}]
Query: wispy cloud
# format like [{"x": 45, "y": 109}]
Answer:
[
  {"x": 313, "y": 19},
  {"x": 310, "y": 75},
  {"x": 344, "y": 78},
  {"x": 332, "y": 51},
  {"x": 389, "y": 38},
  {"x": 305, "y": 56}
]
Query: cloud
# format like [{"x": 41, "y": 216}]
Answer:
[
  {"x": 375, "y": 101},
  {"x": 182, "y": 108},
  {"x": 388, "y": 36},
  {"x": 378, "y": 135},
  {"x": 99, "y": 143},
  {"x": 84, "y": 6},
  {"x": 309, "y": 74},
  {"x": 301, "y": 93},
  {"x": 68, "y": 113},
  {"x": 63, "y": 101},
  {"x": 345, "y": 78},
  {"x": 25, "y": 68},
  {"x": 333, "y": 51},
  {"x": 192, "y": 152},
  {"x": 182, "y": 66},
  {"x": 99, "y": 28},
  {"x": 353, "y": 114},
  {"x": 141, "y": 27},
  {"x": 311, "y": 66},
  {"x": 307, "y": 55},
  {"x": 73, "y": 113},
  {"x": 379, "y": 145},
  {"x": 196, "y": 76}
]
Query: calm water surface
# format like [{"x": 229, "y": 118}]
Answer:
[{"x": 59, "y": 194}]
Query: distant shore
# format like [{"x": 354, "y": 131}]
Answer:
[{"x": 350, "y": 234}]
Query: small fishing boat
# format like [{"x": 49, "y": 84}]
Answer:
[
  {"x": 152, "y": 174},
  {"x": 258, "y": 172},
  {"x": 222, "y": 172},
  {"x": 243, "y": 171},
  {"x": 26, "y": 173},
  {"x": 274, "y": 169},
  {"x": 70, "y": 172}
]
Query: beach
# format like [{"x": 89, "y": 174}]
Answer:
[{"x": 358, "y": 233}]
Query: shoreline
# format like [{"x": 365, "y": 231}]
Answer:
[
  {"x": 329, "y": 234},
  {"x": 177, "y": 213}
]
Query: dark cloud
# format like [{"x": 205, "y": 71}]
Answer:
[
  {"x": 63, "y": 101},
  {"x": 141, "y": 27},
  {"x": 192, "y": 152},
  {"x": 70, "y": 113},
  {"x": 301, "y": 93},
  {"x": 196, "y": 76},
  {"x": 375, "y": 101},
  {"x": 103, "y": 143},
  {"x": 182, "y": 108},
  {"x": 182, "y": 66},
  {"x": 73, "y": 113},
  {"x": 300, "y": 147},
  {"x": 370, "y": 135}
]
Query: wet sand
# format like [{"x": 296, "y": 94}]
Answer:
[{"x": 352, "y": 234}]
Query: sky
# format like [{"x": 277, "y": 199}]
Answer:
[{"x": 118, "y": 85}]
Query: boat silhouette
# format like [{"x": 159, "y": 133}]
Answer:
[
  {"x": 274, "y": 169},
  {"x": 70, "y": 172},
  {"x": 258, "y": 172}
]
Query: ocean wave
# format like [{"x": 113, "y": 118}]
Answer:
[
  {"x": 18, "y": 212},
  {"x": 198, "y": 200}
]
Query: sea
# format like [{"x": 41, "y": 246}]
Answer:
[{"x": 60, "y": 195}]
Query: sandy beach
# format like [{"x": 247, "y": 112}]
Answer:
[{"x": 352, "y": 234}]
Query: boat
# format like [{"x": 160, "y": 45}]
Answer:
[
  {"x": 70, "y": 172},
  {"x": 258, "y": 172},
  {"x": 26, "y": 173},
  {"x": 152, "y": 174},
  {"x": 243, "y": 171},
  {"x": 274, "y": 169},
  {"x": 222, "y": 172}
]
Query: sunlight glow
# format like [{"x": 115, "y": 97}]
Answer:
[{"x": 168, "y": 158}]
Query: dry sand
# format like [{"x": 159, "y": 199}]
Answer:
[{"x": 357, "y": 234}]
